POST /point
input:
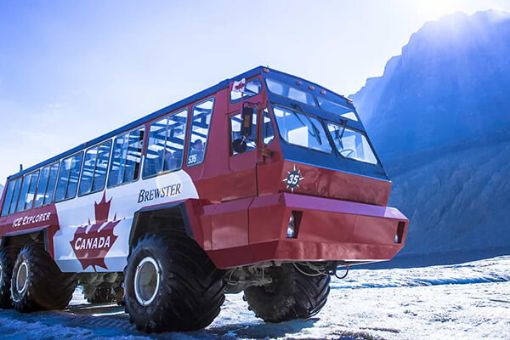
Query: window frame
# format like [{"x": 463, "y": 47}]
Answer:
[
  {"x": 240, "y": 113},
  {"x": 28, "y": 175},
  {"x": 54, "y": 200},
  {"x": 49, "y": 166},
  {"x": 235, "y": 101},
  {"x": 6, "y": 188},
  {"x": 98, "y": 145},
  {"x": 191, "y": 129},
  {"x": 142, "y": 151},
  {"x": 146, "y": 148},
  {"x": 319, "y": 119}
]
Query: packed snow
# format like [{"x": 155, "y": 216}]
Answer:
[{"x": 469, "y": 300}]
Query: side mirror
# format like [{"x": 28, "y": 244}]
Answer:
[{"x": 239, "y": 145}]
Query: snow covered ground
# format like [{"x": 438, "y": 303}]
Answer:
[{"x": 470, "y": 300}]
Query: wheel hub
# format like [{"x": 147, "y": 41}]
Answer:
[
  {"x": 147, "y": 280},
  {"x": 22, "y": 278}
]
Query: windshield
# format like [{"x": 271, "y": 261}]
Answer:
[
  {"x": 300, "y": 129},
  {"x": 351, "y": 144}
]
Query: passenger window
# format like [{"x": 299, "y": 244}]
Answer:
[
  {"x": 27, "y": 191},
  {"x": 199, "y": 131},
  {"x": 240, "y": 143},
  {"x": 68, "y": 177},
  {"x": 127, "y": 153},
  {"x": 8, "y": 197},
  {"x": 95, "y": 167},
  {"x": 241, "y": 89},
  {"x": 267, "y": 127},
  {"x": 166, "y": 144},
  {"x": 14, "y": 201},
  {"x": 41, "y": 186},
  {"x": 52, "y": 183},
  {"x": 29, "y": 201}
]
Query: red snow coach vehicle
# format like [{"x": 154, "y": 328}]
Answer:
[{"x": 264, "y": 184}]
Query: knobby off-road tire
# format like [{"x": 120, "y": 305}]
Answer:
[
  {"x": 37, "y": 283},
  {"x": 171, "y": 284},
  {"x": 291, "y": 295},
  {"x": 103, "y": 293},
  {"x": 7, "y": 257}
]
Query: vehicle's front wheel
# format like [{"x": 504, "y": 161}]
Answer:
[
  {"x": 37, "y": 283},
  {"x": 6, "y": 263},
  {"x": 171, "y": 284},
  {"x": 291, "y": 295}
]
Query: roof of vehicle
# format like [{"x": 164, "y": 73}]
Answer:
[{"x": 186, "y": 101}]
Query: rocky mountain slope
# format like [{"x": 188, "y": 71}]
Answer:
[{"x": 439, "y": 118}]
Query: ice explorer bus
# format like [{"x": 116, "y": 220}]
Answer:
[{"x": 265, "y": 184}]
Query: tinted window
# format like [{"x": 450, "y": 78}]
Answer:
[
  {"x": 290, "y": 92},
  {"x": 31, "y": 190},
  {"x": 300, "y": 129},
  {"x": 41, "y": 186},
  {"x": 14, "y": 201},
  {"x": 95, "y": 167},
  {"x": 337, "y": 108},
  {"x": 166, "y": 144},
  {"x": 9, "y": 192},
  {"x": 352, "y": 144},
  {"x": 127, "y": 152},
  {"x": 69, "y": 174},
  {"x": 52, "y": 183},
  {"x": 199, "y": 131},
  {"x": 27, "y": 191},
  {"x": 241, "y": 89},
  {"x": 267, "y": 127},
  {"x": 251, "y": 140}
]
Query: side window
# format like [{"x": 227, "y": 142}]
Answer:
[
  {"x": 52, "y": 183},
  {"x": 14, "y": 201},
  {"x": 41, "y": 186},
  {"x": 201, "y": 121},
  {"x": 95, "y": 167},
  {"x": 166, "y": 144},
  {"x": 267, "y": 127},
  {"x": 240, "y": 143},
  {"x": 69, "y": 174},
  {"x": 46, "y": 185},
  {"x": 241, "y": 89},
  {"x": 29, "y": 201},
  {"x": 127, "y": 153},
  {"x": 27, "y": 191},
  {"x": 8, "y": 197}
]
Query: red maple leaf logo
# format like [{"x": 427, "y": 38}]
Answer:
[{"x": 92, "y": 246}]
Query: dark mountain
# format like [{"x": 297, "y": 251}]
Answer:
[{"x": 439, "y": 118}]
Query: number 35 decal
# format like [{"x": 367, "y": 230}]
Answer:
[{"x": 293, "y": 178}]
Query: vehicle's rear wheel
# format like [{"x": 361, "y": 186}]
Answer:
[
  {"x": 291, "y": 295},
  {"x": 6, "y": 263},
  {"x": 104, "y": 293},
  {"x": 37, "y": 283},
  {"x": 171, "y": 284}
]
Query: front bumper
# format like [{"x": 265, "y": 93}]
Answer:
[{"x": 326, "y": 230}]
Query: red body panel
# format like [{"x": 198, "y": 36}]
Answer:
[{"x": 329, "y": 230}]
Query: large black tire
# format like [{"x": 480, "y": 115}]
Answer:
[
  {"x": 291, "y": 295},
  {"x": 103, "y": 293},
  {"x": 190, "y": 292},
  {"x": 37, "y": 283},
  {"x": 6, "y": 263}
]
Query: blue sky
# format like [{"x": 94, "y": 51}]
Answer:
[{"x": 72, "y": 70}]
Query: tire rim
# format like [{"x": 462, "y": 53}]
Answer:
[
  {"x": 22, "y": 278},
  {"x": 147, "y": 279}
]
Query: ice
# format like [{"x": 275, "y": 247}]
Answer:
[{"x": 468, "y": 300}]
